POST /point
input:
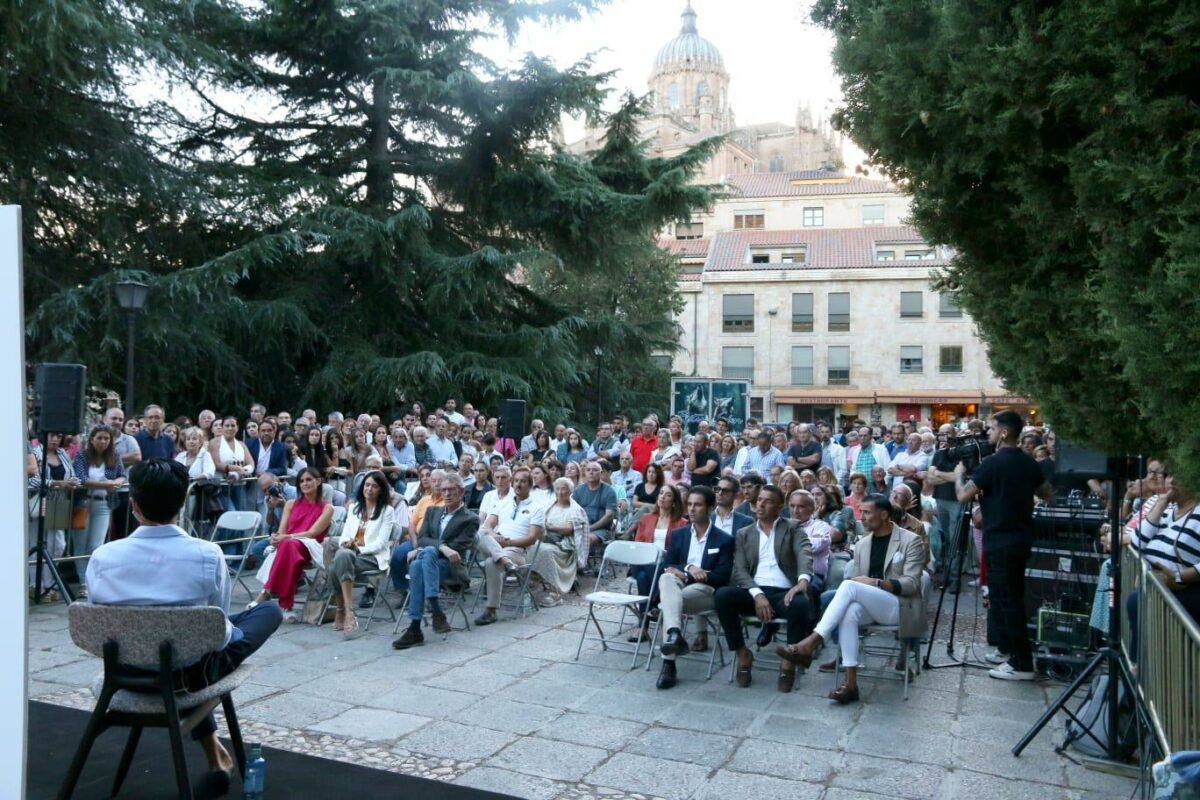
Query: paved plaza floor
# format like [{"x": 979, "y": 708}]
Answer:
[{"x": 507, "y": 708}]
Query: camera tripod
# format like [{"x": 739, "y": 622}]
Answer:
[
  {"x": 960, "y": 551},
  {"x": 40, "y": 550}
]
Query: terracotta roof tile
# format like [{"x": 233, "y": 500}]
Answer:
[
  {"x": 805, "y": 183},
  {"x": 686, "y": 248},
  {"x": 824, "y": 248}
]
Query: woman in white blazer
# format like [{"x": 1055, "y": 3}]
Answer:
[{"x": 365, "y": 545}]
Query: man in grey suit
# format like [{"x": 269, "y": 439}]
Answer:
[
  {"x": 445, "y": 536},
  {"x": 772, "y": 568}
]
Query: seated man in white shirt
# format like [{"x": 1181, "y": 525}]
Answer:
[
  {"x": 159, "y": 564},
  {"x": 504, "y": 537}
]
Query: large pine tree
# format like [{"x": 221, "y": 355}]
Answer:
[{"x": 398, "y": 211}]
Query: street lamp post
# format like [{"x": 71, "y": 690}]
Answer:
[
  {"x": 131, "y": 297},
  {"x": 599, "y": 352}
]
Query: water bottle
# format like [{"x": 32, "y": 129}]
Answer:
[{"x": 255, "y": 774}]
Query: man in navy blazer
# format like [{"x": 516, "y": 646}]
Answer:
[
  {"x": 698, "y": 561},
  {"x": 277, "y": 459}
]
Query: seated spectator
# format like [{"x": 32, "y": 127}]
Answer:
[
  {"x": 675, "y": 475},
  {"x": 563, "y": 523},
  {"x": 573, "y": 449},
  {"x": 428, "y": 496},
  {"x": 885, "y": 591},
  {"x": 772, "y": 570},
  {"x": 698, "y": 562},
  {"x": 541, "y": 447},
  {"x": 504, "y": 540},
  {"x": 101, "y": 472},
  {"x": 834, "y": 513},
  {"x": 751, "y": 484},
  {"x": 502, "y": 480},
  {"x": 600, "y": 503},
  {"x": 291, "y": 448},
  {"x": 338, "y": 458},
  {"x": 723, "y": 515},
  {"x": 276, "y": 495},
  {"x": 481, "y": 484},
  {"x": 541, "y": 492},
  {"x": 825, "y": 476},
  {"x": 160, "y": 564},
  {"x": 359, "y": 450},
  {"x": 442, "y": 542},
  {"x": 879, "y": 483},
  {"x": 365, "y": 545},
  {"x": 728, "y": 452},
  {"x": 296, "y": 544},
  {"x": 858, "y": 493},
  {"x": 820, "y": 535},
  {"x": 645, "y": 494},
  {"x": 904, "y": 503}
]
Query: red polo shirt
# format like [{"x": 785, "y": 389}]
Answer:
[{"x": 642, "y": 449}]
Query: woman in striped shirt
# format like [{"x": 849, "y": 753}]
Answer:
[{"x": 1169, "y": 541}]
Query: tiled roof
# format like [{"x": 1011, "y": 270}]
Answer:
[
  {"x": 685, "y": 248},
  {"x": 824, "y": 248},
  {"x": 808, "y": 182}
]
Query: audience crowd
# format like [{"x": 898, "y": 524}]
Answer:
[{"x": 800, "y": 531}]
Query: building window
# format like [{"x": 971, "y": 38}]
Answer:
[
  {"x": 912, "y": 359},
  {"x": 776, "y": 164},
  {"x": 910, "y": 305},
  {"x": 948, "y": 307},
  {"x": 737, "y": 363},
  {"x": 839, "y": 311},
  {"x": 662, "y": 362},
  {"x": 749, "y": 220},
  {"x": 802, "y": 313},
  {"x": 814, "y": 217},
  {"x": 673, "y": 95},
  {"x": 689, "y": 230},
  {"x": 756, "y": 408},
  {"x": 839, "y": 366},
  {"x": 885, "y": 255},
  {"x": 760, "y": 258},
  {"x": 701, "y": 91},
  {"x": 737, "y": 313},
  {"x": 918, "y": 255},
  {"x": 793, "y": 258},
  {"x": 950, "y": 360},
  {"x": 802, "y": 366},
  {"x": 873, "y": 214}
]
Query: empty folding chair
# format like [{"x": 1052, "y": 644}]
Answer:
[{"x": 631, "y": 554}]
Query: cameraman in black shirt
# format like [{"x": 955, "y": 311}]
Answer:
[{"x": 1006, "y": 483}]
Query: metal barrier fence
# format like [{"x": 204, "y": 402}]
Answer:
[{"x": 1168, "y": 663}]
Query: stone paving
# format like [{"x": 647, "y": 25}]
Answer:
[{"x": 507, "y": 708}]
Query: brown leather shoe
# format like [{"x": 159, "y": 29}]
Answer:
[
  {"x": 701, "y": 643},
  {"x": 828, "y": 666},
  {"x": 742, "y": 675},
  {"x": 440, "y": 623},
  {"x": 787, "y": 680},
  {"x": 794, "y": 655},
  {"x": 844, "y": 695}
]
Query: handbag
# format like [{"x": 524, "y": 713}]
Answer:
[
  {"x": 58, "y": 510},
  {"x": 79, "y": 518}
]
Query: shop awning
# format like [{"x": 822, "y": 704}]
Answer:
[
  {"x": 930, "y": 398},
  {"x": 824, "y": 397},
  {"x": 1008, "y": 400}
]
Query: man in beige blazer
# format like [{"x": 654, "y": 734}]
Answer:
[{"x": 885, "y": 591}]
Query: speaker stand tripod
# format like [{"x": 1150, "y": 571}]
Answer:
[
  {"x": 960, "y": 551},
  {"x": 41, "y": 551}
]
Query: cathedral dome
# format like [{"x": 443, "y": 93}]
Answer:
[{"x": 689, "y": 46}]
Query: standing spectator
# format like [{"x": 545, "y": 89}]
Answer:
[
  {"x": 151, "y": 440},
  {"x": 443, "y": 449},
  {"x": 910, "y": 462},
  {"x": 896, "y": 444},
  {"x": 205, "y": 420},
  {"x": 833, "y": 455},
  {"x": 606, "y": 447},
  {"x": 232, "y": 459},
  {"x": 600, "y": 503},
  {"x": 312, "y": 450},
  {"x": 867, "y": 454},
  {"x": 297, "y": 543},
  {"x": 129, "y": 453},
  {"x": 102, "y": 474},
  {"x": 195, "y": 456},
  {"x": 643, "y": 445},
  {"x": 760, "y": 458},
  {"x": 728, "y": 452},
  {"x": 704, "y": 463},
  {"x": 62, "y": 478},
  {"x": 573, "y": 449},
  {"x": 805, "y": 452}
]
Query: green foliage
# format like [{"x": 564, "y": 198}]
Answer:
[
  {"x": 364, "y": 211},
  {"x": 1055, "y": 145}
]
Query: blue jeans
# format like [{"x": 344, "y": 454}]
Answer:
[
  {"x": 399, "y": 566},
  {"x": 427, "y": 571}
]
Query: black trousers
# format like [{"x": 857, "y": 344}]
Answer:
[
  {"x": 1006, "y": 557},
  {"x": 733, "y": 603}
]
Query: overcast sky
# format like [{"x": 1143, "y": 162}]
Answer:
[{"x": 776, "y": 58}]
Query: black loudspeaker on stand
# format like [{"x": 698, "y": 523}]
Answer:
[
  {"x": 58, "y": 408},
  {"x": 511, "y": 419}
]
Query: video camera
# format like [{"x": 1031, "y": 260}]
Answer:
[{"x": 970, "y": 450}]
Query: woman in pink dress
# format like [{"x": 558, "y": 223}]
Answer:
[{"x": 297, "y": 543}]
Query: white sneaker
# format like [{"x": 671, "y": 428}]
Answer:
[
  {"x": 996, "y": 657},
  {"x": 1006, "y": 672},
  {"x": 973, "y": 584},
  {"x": 290, "y": 617}
]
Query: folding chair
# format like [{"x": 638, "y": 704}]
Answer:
[
  {"x": 167, "y": 637},
  {"x": 631, "y": 554},
  {"x": 315, "y": 569},
  {"x": 524, "y": 572},
  {"x": 707, "y": 619},
  {"x": 906, "y": 649},
  {"x": 452, "y": 594},
  {"x": 248, "y": 523}
]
